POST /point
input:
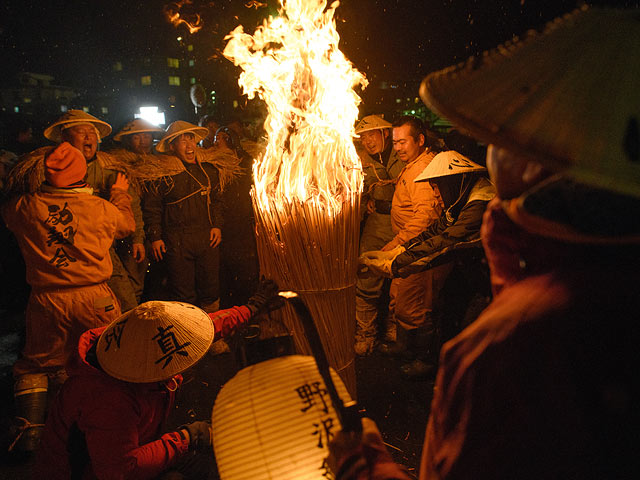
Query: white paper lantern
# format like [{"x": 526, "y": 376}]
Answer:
[{"x": 273, "y": 420}]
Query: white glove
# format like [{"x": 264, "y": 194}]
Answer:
[{"x": 379, "y": 262}]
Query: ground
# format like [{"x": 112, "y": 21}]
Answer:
[{"x": 399, "y": 407}]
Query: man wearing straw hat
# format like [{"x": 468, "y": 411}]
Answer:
[
  {"x": 107, "y": 421},
  {"x": 85, "y": 132},
  {"x": 381, "y": 167},
  {"x": 64, "y": 233},
  {"x": 455, "y": 237},
  {"x": 544, "y": 383},
  {"x": 184, "y": 219},
  {"x": 137, "y": 139},
  {"x": 415, "y": 207}
]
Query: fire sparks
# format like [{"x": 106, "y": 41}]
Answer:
[
  {"x": 293, "y": 63},
  {"x": 175, "y": 14}
]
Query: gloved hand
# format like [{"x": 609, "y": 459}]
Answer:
[
  {"x": 352, "y": 453},
  {"x": 199, "y": 435},
  {"x": 266, "y": 298},
  {"x": 379, "y": 261}
]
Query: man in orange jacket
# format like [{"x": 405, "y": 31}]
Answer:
[{"x": 64, "y": 233}]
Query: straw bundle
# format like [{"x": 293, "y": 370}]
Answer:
[{"x": 314, "y": 254}]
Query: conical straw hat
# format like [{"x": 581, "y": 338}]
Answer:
[
  {"x": 154, "y": 341},
  {"x": 137, "y": 126},
  {"x": 568, "y": 97},
  {"x": 178, "y": 128},
  {"x": 448, "y": 163},
  {"x": 53, "y": 132},
  {"x": 372, "y": 122}
]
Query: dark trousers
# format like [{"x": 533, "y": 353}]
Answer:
[{"x": 192, "y": 267}]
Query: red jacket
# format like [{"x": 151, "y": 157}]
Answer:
[
  {"x": 119, "y": 423},
  {"x": 540, "y": 385}
]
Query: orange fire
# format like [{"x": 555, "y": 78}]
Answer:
[
  {"x": 294, "y": 64},
  {"x": 173, "y": 13}
]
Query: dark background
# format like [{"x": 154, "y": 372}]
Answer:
[{"x": 76, "y": 40}]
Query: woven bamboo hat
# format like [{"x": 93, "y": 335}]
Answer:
[
  {"x": 75, "y": 117},
  {"x": 568, "y": 97},
  {"x": 137, "y": 126},
  {"x": 448, "y": 163},
  {"x": 372, "y": 122},
  {"x": 154, "y": 341},
  {"x": 178, "y": 128}
]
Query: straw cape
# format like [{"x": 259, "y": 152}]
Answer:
[
  {"x": 54, "y": 131},
  {"x": 155, "y": 341},
  {"x": 28, "y": 175},
  {"x": 448, "y": 163},
  {"x": 154, "y": 170},
  {"x": 567, "y": 97},
  {"x": 137, "y": 126}
]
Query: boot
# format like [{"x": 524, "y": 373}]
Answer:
[
  {"x": 364, "y": 345},
  {"x": 30, "y": 396},
  {"x": 403, "y": 346},
  {"x": 366, "y": 329},
  {"x": 390, "y": 330},
  {"x": 425, "y": 364}
]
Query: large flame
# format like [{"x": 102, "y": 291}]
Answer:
[{"x": 293, "y": 63}]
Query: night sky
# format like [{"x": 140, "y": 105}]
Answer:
[{"x": 386, "y": 39}]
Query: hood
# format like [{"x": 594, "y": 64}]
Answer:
[{"x": 78, "y": 364}]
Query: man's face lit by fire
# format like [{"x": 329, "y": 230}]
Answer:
[
  {"x": 373, "y": 141},
  {"x": 407, "y": 147},
  {"x": 84, "y": 137},
  {"x": 141, "y": 143},
  {"x": 184, "y": 147}
]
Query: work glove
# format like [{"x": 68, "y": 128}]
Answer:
[
  {"x": 199, "y": 435},
  {"x": 266, "y": 298},
  {"x": 362, "y": 455},
  {"x": 379, "y": 261}
]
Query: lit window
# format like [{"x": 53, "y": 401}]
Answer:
[
  {"x": 398, "y": 100},
  {"x": 16, "y": 109},
  {"x": 85, "y": 109},
  {"x": 64, "y": 108},
  {"x": 193, "y": 80},
  {"x": 190, "y": 48},
  {"x": 192, "y": 63},
  {"x": 173, "y": 62},
  {"x": 416, "y": 100},
  {"x": 104, "y": 110},
  {"x": 146, "y": 80},
  {"x": 117, "y": 67},
  {"x": 26, "y": 100},
  {"x": 173, "y": 80},
  {"x": 235, "y": 104}
]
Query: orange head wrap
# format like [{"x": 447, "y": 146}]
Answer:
[{"x": 65, "y": 166}]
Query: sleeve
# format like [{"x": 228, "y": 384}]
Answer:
[
  {"x": 226, "y": 322},
  {"x": 138, "y": 235},
  {"x": 125, "y": 225},
  {"x": 8, "y": 211},
  {"x": 152, "y": 215},
  {"x": 430, "y": 249},
  {"x": 113, "y": 443},
  {"x": 426, "y": 205},
  {"x": 217, "y": 202}
]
